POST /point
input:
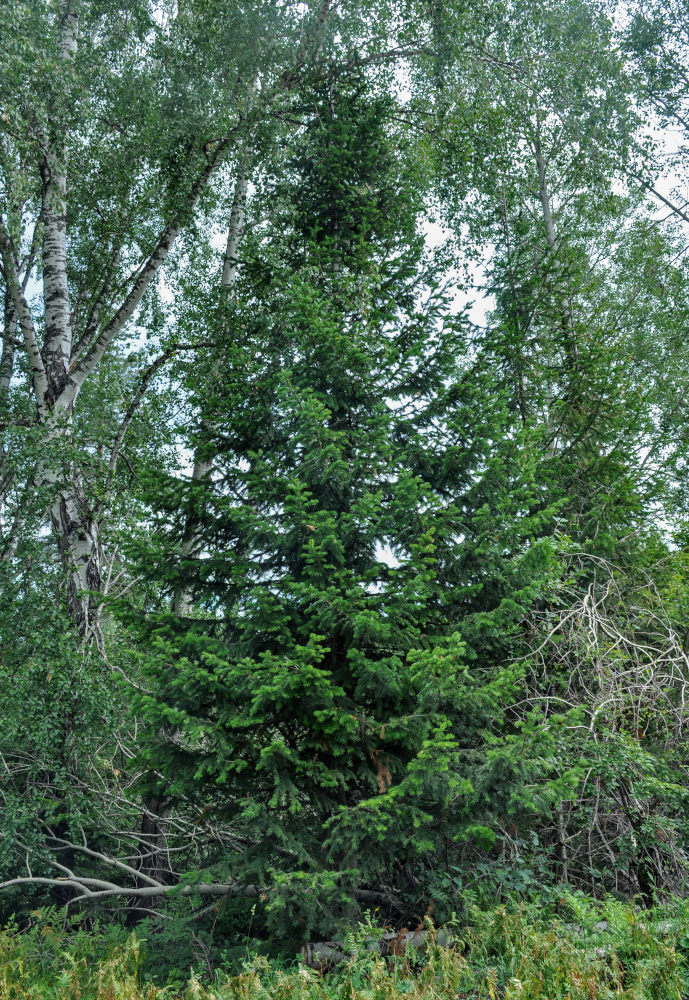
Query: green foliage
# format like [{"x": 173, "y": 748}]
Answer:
[
  {"x": 49, "y": 960},
  {"x": 588, "y": 949},
  {"x": 416, "y": 638},
  {"x": 59, "y": 718},
  {"x": 367, "y": 555}
]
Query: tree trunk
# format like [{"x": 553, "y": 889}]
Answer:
[
  {"x": 203, "y": 464},
  {"x": 78, "y": 538},
  {"x": 6, "y": 369},
  {"x": 567, "y": 318}
]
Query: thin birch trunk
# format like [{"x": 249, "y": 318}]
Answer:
[
  {"x": 235, "y": 231},
  {"x": 203, "y": 463},
  {"x": 7, "y": 355},
  {"x": 569, "y": 336},
  {"x": 562, "y": 853},
  {"x": 567, "y": 316},
  {"x": 6, "y": 369},
  {"x": 79, "y": 544}
]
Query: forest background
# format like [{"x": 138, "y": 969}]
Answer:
[{"x": 343, "y": 464}]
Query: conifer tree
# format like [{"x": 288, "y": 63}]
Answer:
[{"x": 366, "y": 558}]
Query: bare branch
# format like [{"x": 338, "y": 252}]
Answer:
[
  {"x": 53, "y": 882},
  {"x": 106, "y": 859},
  {"x": 151, "y": 892}
]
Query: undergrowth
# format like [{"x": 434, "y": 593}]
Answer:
[{"x": 580, "y": 950}]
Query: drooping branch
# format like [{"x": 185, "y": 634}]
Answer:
[
  {"x": 138, "y": 396},
  {"x": 106, "y": 859},
  {"x": 81, "y": 369},
  {"x": 94, "y": 314}
]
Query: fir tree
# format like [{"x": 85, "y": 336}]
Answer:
[{"x": 366, "y": 558}]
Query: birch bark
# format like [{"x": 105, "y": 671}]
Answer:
[
  {"x": 203, "y": 463},
  {"x": 567, "y": 318},
  {"x": 74, "y": 526},
  {"x": 6, "y": 369}
]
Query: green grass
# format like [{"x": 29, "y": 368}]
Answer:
[{"x": 513, "y": 955}]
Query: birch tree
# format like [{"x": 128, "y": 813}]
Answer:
[
  {"x": 118, "y": 121},
  {"x": 551, "y": 142}
]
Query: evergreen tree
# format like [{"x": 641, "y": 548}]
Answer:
[{"x": 366, "y": 556}]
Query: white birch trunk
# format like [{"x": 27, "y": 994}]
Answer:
[
  {"x": 203, "y": 464},
  {"x": 235, "y": 231},
  {"x": 58, "y": 334},
  {"x": 78, "y": 538},
  {"x": 57, "y": 375},
  {"x": 6, "y": 369},
  {"x": 59, "y": 367},
  {"x": 568, "y": 331},
  {"x": 57, "y": 346},
  {"x": 75, "y": 528}
]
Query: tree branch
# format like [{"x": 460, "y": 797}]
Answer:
[
  {"x": 139, "y": 395},
  {"x": 79, "y": 371},
  {"x": 113, "y": 862},
  {"x": 150, "y": 891},
  {"x": 675, "y": 209},
  {"x": 290, "y": 76},
  {"x": 98, "y": 303}
]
